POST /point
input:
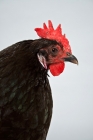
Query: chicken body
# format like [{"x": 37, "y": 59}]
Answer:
[{"x": 25, "y": 94}]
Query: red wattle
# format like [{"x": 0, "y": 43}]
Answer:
[{"x": 57, "y": 69}]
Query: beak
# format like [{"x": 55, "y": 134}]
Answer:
[{"x": 72, "y": 59}]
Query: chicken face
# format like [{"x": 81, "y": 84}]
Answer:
[
  {"x": 53, "y": 58},
  {"x": 56, "y": 54}
]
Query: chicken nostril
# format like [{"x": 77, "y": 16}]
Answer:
[{"x": 68, "y": 54}]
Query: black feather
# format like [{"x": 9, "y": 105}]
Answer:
[{"x": 25, "y": 93}]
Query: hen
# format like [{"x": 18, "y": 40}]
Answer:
[{"x": 25, "y": 94}]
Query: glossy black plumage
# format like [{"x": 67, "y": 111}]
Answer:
[{"x": 25, "y": 94}]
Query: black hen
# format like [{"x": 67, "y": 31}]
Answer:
[{"x": 25, "y": 94}]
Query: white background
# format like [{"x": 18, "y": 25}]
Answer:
[{"x": 73, "y": 89}]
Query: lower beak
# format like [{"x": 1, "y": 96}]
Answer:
[{"x": 71, "y": 59}]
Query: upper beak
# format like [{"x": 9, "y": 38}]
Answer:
[{"x": 71, "y": 58}]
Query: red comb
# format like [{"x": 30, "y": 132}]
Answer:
[{"x": 54, "y": 34}]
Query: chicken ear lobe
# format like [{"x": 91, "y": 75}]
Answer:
[{"x": 42, "y": 60}]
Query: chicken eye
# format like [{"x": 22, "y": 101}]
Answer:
[{"x": 54, "y": 50}]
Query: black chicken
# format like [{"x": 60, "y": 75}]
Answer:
[{"x": 25, "y": 94}]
